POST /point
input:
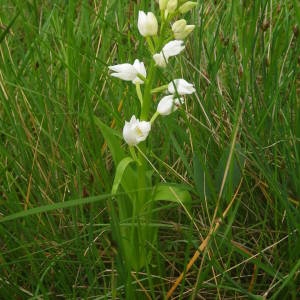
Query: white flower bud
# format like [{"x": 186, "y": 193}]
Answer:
[
  {"x": 147, "y": 24},
  {"x": 135, "y": 131},
  {"x": 170, "y": 49},
  {"x": 181, "y": 30},
  {"x": 179, "y": 25},
  {"x": 129, "y": 72},
  {"x": 172, "y": 5},
  {"x": 163, "y": 4},
  {"x": 160, "y": 60},
  {"x": 184, "y": 8},
  {"x": 173, "y": 48},
  {"x": 181, "y": 86},
  {"x": 124, "y": 71},
  {"x": 168, "y": 104}
]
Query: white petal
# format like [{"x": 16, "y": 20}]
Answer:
[
  {"x": 140, "y": 68},
  {"x": 181, "y": 86},
  {"x": 124, "y": 76},
  {"x": 173, "y": 48},
  {"x": 152, "y": 24},
  {"x": 122, "y": 68},
  {"x": 123, "y": 71},
  {"x": 127, "y": 134},
  {"x": 160, "y": 60},
  {"x": 165, "y": 105},
  {"x": 145, "y": 127},
  {"x": 147, "y": 24},
  {"x": 179, "y": 26},
  {"x": 141, "y": 21},
  {"x": 134, "y": 120}
]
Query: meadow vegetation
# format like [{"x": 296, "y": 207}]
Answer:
[{"x": 234, "y": 145}]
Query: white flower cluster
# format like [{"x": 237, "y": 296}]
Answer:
[
  {"x": 170, "y": 103},
  {"x": 135, "y": 130}
]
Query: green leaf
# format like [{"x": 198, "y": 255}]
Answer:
[
  {"x": 123, "y": 164},
  {"x": 172, "y": 192},
  {"x": 55, "y": 206},
  {"x": 112, "y": 138}
]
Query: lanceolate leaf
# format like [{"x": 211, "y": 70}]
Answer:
[
  {"x": 172, "y": 192},
  {"x": 113, "y": 140},
  {"x": 123, "y": 164},
  {"x": 55, "y": 206}
]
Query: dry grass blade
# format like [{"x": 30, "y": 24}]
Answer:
[{"x": 204, "y": 244}]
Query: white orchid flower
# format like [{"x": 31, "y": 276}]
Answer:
[
  {"x": 181, "y": 86},
  {"x": 172, "y": 48},
  {"x": 181, "y": 30},
  {"x": 129, "y": 72},
  {"x": 168, "y": 104},
  {"x": 147, "y": 24},
  {"x": 135, "y": 131}
]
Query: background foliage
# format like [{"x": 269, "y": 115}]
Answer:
[{"x": 56, "y": 172}]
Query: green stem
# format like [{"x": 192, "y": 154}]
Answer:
[
  {"x": 139, "y": 93},
  {"x": 159, "y": 89},
  {"x": 141, "y": 234},
  {"x": 142, "y": 184},
  {"x": 133, "y": 154},
  {"x": 156, "y": 114},
  {"x": 150, "y": 44},
  {"x": 147, "y": 92}
]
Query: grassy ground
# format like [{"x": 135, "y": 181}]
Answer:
[{"x": 56, "y": 172}]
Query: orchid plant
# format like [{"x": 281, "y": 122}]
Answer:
[{"x": 165, "y": 39}]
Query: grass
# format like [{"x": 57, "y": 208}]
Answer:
[{"x": 56, "y": 172}]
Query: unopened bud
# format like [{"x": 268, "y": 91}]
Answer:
[
  {"x": 184, "y": 8},
  {"x": 172, "y": 5},
  {"x": 163, "y": 4},
  {"x": 179, "y": 25},
  {"x": 181, "y": 30}
]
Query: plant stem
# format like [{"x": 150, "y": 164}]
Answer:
[
  {"x": 156, "y": 114},
  {"x": 139, "y": 93},
  {"x": 159, "y": 89},
  {"x": 147, "y": 92},
  {"x": 133, "y": 154}
]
